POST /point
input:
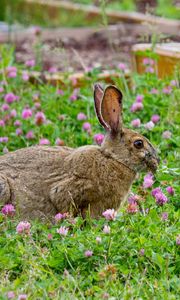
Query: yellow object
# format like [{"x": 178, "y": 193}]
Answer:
[{"x": 168, "y": 58}]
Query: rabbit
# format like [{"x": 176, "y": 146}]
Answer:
[{"x": 42, "y": 180}]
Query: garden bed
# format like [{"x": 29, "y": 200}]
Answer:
[
  {"x": 74, "y": 50},
  {"x": 78, "y": 49},
  {"x": 167, "y": 58}
]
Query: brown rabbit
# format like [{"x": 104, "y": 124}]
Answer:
[{"x": 41, "y": 181}]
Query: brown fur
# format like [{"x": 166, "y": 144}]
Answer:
[{"x": 41, "y": 181}]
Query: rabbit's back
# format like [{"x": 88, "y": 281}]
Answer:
[{"x": 32, "y": 158}]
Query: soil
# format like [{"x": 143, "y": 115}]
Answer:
[{"x": 79, "y": 49}]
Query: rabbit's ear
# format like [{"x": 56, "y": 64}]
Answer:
[
  {"x": 111, "y": 108},
  {"x": 98, "y": 95}
]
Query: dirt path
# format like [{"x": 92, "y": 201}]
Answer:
[{"x": 76, "y": 49}]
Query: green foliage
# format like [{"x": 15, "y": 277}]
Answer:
[
  {"x": 166, "y": 8},
  {"x": 139, "y": 259},
  {"x": 45, "y": 268},
  {"x": 11, "y": 12}
]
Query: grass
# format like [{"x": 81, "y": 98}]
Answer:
[
  {"x": 164, "y": 8},
  {"x": 139, "y": 258},
  {"x": 17, "y": 12}
]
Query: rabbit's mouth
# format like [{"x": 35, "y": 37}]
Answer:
[{"x": 152, "y": 163}]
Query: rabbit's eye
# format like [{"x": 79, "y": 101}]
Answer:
[{"x": 138, "y": 144}]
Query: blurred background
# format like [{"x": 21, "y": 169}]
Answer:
[{"x": 73, "y": 36}]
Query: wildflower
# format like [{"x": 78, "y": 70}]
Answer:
[
  {"x": 44, "y": 141},
  {"x": 66, "y": 273},
  {"x": 136, "y": 123},
  {"x": 149, "y": 125},
  {"x": 98, "y": 239},
  {"x": 161, "y": 199},
  {"x": 1, "y": 89},
  {"x": 122, "y": 66},
  {"x": 4, "y": 139},
  {"x": 30, "y": 135},
  {"x": 35, "y": 97},
  {"x": 2, "y": 123},
  {"x": 22, "y": 297},
  {"x": 73, "y": 81},
  {"x": 30, "y": 63},
  {"x": 148, "y": 61},
  {"x": 133, "y": 198},
  {"x": 154, "y": 91},
  {"x": 81, "y": 116},
  {"x": 6, "y": 118},
  {"x": 139, "y": 98},
  {"x": 88, "y": 69},
  {"x": 59, "y": 142},
  {"x": 132, "y": 208},
  {"x": 3, "y": 82},
  {"x": 105, "y": 296},
  {"x": 11, "y": 72},
  {"x": 25, "y": 76},
  {"x": 5, "y": 107},
  {"x": 178, "y": 240},
  {"x": 110, "y": 214},
  {"x": 19, "y": 131},
  {"x": 88, "y": 253},
  {"x": 167, "y": 134},
  {"x": 60, "y": 92},
  {"x": 155, "y": 118},
  {"x": 40, "y": 118},
  {"x": 23, "y": 227},
  {"x": 148, "y": 181},
  {"x": 26, "y": 113},
  {"x": 8, "y": 210},
  {"x": 106, "y": 229},
  {"x": 52, "y": 70},
  {"x": 59, "y": 216},
  {"x": 5, "y": 150},
  {"x": 145, "y": 61},
  {"x": 167, "y": 90},
  {"x": 170, "y": 190},
  {"x": 17, "y": 123},
  {"x": 49, "y": 236},
  {"x": 99, "y": 138},
  {"x": 137, "y": 106},
  {"x": 173, "y": 83},
  {"x": 37, "y": 106},
  {"x": 74, "y": 95},
  {"x": 61, "y": 117},
  {"x": 10, "y": 98},
  {"x": 63, "y": 230},
  {"x": 164, "y": 216},
  {"x": 11, "y": 69},
  {"x": 87, "y": 127},
  {"x": 141, "y": 252},
  {"x": 37, "y": 30},
  {"x": 149, "y": 70},
  {"x": 155, "y": 191},
  {"x": 13, "y": 113},
  {"x": 10, "y": 295}
]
